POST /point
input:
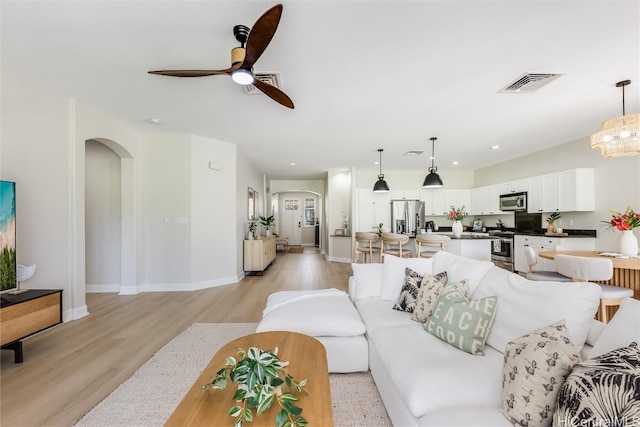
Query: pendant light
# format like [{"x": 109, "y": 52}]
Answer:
[
  {"x": 619, "y": 137},
  {"x": 380, "y": 185},
  {"x": 432, "y": 180}
]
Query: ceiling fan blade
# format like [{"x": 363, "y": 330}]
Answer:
[
  {"x": 274, "y": 93},
  {"x": 192, "y": 73},
  {"x": 261, "y": 35}
]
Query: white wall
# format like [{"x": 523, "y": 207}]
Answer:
[{"x": 175, "y": 234}]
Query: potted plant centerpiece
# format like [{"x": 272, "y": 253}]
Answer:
[
  {"x": 456, "y": 215},
  {"x": 267, "y": 222},
  {"x": 260, "y": 377},
  {"x": 553, "y": 217}
]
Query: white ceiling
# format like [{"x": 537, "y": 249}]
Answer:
[{"x": 363, "y": 74}]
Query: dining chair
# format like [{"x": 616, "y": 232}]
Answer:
[
  {"x": 588, "y": 269},
  {"x": 432, "y": 243},
  {"x": 541, "y": 275},
  {"x": 364, "y": 244},
  {"x": 391, "y": 243}
]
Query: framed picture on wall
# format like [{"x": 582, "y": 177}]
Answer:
[
  {"x": 339, "y": 232},
  {"x": 252, "y": 200}
]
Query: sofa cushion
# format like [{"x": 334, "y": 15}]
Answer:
[
  {"x": 623, "y": 328},
  {"x": 409, "y": 292},
  {"x": 535, "y": 367},
  {"x": 526, "y": 305},
  {"x": 393, "y": 273},
  {"x": 604, "y": 391},
  {"x": 378, "y": 313},
  {"x": 432, "y": 287},
  {"x": 326, "y": 312},
  {"x": 367, "y": 280},
  {"x": 462, "y": 323},
  {"x": 460, "y": 268},
  {"x": 414, "y": 362}
]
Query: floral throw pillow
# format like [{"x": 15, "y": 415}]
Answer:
[
  {"x": 409, "y": 292},
  {"x": 535, "y": 367},
  {"x": 462, "y": 323},
  {"x": 432, "y": 287},
  {"x": 604, "y": 391}
]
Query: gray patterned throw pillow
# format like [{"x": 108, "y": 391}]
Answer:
[
  {"x": 430, "y": 291},
  {"x": 535, "y": 367}
]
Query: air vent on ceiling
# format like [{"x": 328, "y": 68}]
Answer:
[
  {"x": 530, "y": 82},
  {"x": 272, "y": 79},
  {"x": 414, "y": 152}
]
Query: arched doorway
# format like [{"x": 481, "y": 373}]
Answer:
[
  {"x": 298, "y": 216},
  {"x": 109, "y": 218}
]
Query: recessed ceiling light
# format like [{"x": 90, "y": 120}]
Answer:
[
  {"x": 292, "y": 164},
  {"x": 376, "y": 163},
  {"x": 154, "y": 121},
  {"x": 455, "y": 162},
  {"x": 495, "y": 147}
]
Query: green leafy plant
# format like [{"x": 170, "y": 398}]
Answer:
[
  {"x": 260, "y": 377},
  {"x": 553, "y": 217},
  {"x": 267, "y": 221},
  {"x": 252, "y": 227}
]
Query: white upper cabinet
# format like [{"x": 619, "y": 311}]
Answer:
[
  {"x": 435, "y": 201},
  {"x": 486, "y": 200},
  {"x": 567, "y": 191}
]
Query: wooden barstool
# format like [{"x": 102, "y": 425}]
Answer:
[
  {"x": 433, "y": 244},
  {"x": 364, "y": 245},
  {"x": 586, "y": 269},
  {"x": 392, "y": 244}
]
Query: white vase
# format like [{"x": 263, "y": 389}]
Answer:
[
  {"x": 628, "y": 243},
  {"x": 456, "y": 228},
  {"x": 268, "y": 233}
]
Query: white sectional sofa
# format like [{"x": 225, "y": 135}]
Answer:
[{"x": 425, "y": 381}]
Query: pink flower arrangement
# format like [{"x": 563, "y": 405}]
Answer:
[
  {"x": 456, "y": 214},
  {"x": 624, "y": 221}
]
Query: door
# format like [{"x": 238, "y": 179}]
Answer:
[{"x": 291, "y": 219}]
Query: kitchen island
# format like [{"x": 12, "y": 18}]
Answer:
[{"x": 470, "y": 245}]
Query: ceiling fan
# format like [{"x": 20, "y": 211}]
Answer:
[{"x": 252, "y": 43}]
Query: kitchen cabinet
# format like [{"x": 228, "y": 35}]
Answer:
[
  {"x": 546, "y": 243},
  {"x": 486, "y": 200},
  {"x": 567, "y": 191},
  {"x": 373, "y": 209},
  {"x": 458, "y": 199},
  {"x": 435, "y": 201},
  {"x": 259, "y": 253}
]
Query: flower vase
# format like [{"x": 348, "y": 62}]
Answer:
[
  {"x": 456, "y": 228},
  {"x": 267, "y": 233},
  {"x": 628, "y": 243}
]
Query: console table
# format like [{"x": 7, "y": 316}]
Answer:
[
  {"x": 259, "y": 253},
  {"x": 25, "y": 314}
]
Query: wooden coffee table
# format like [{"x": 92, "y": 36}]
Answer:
[{"x": 307, "y": 359}]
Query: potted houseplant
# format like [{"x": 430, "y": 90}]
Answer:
[
  {"x": 252, "y": 230},
  {"x": 456, "y": 215},
  {"x": 550, "y": 220},
  {"x": 260, "y": 377},
  {"x": 267, "y": 222}
]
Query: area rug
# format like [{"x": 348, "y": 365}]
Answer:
[
  {"x": 152, "y": 393},
  {"x": 295, "y": 250}
]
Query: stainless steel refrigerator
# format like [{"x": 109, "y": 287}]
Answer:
[{"x": 407, "y": 216}]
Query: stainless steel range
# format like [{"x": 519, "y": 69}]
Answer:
[{"x": 502, "y": 249}]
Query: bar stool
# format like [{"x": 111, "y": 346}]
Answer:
[
  {"x": 364, "y": 245},
  {"x": 551, "y": 276},
  {"x": 583, "y": 269},
  {"x": 433, "y": 243},
  {"x": 392, "y": 244}
]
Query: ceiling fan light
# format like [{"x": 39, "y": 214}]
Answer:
[
  {"x": 242, "y": 76},
  {"x": 381, "y": 185}
]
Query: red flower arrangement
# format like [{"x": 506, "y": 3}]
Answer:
[
  {"x": 456, "y": 214},
  {"x": 624, "y": 221}
]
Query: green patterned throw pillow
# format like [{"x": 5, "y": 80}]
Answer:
[{"x": 462, "y": 323}]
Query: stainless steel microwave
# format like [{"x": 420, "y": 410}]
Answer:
[{"x": 514, "y": 202}]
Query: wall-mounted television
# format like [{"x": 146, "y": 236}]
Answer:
[{"x": 8, "y": 265}]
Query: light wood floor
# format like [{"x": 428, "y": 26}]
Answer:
[{"x": 70, "y": 368}]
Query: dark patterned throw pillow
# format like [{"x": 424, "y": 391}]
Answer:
[
  {"x": 604, "y": 391},
  {"x": 409, "y": 293}
]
